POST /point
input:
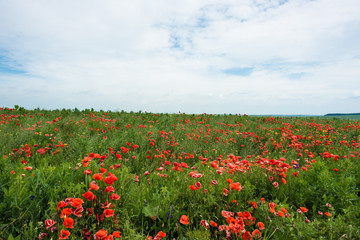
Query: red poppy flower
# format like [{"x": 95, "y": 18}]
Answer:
[
  {"x": 86, "y": 161},
  {"x": 247, "y": 215},
  {"x": 49, "y": 223},
  {"x": 256, "y": 233},
  {"x": 64, "y": 234},
  {"x": 69, "y": 223},
  {"x": 78, "y": 211},
  {"x": 184, "y": 165},
  {"x": 214, "y": 182},
  {"x": 101, "y": 234},
  {"x": 93, "y": 186},
  {"x": 61, "y": 204},
  {"x": 204, "y": 224},
  {"x": 110, "y": 179},
  {"x": 109, "y": 189},
  {"x": 114, "y": 196},
  {"x": 226, "y": 214},
  {"x": 160, "y": 235},
  {"x": 184, "y": 220},
  {"x": 77, "y": 202},
  {"x": 89, "y": 196},
  {"x": 108, "y": 212},
  {"x": 214, "y": 224},
  {"x": 304, "y": 210},
  {"x": 116, "y": 234},
  {"x": 327, "y": 214},
  {"x": 261, "y": 226},
  {"x": 281, "y": 214},
  {"x": 235, "y": 186},
  {"x": 65, "y": 212},
  {"x": 98, "y": 176}
]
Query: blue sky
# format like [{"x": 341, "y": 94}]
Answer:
[{"x": 251, "y": 56}]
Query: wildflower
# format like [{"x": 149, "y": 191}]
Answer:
[
  {"x": 61, "y": 204},
  {"x": 93, "y": 186},
  {"x": 86, "y": 161},
  {"x": 109, "y": 189},
  {"x": 235, "y": 186},
  {"x": 272, "y": 206},
  {"x": 184, "y": 220},
  {"x": 225, "y": 192},
  {"x": 226, "y": 214},
  {"x": 42, "y": 235},
  {"x": 78, "y": 211},
  {"x": 65, "y": 212},
  {"x": 246, "y": 235},
  {"x": 49, "y": 223},
  {"x": 256, "y": 233},
  {"x": 110, "y": 179},
  {"x": 89, "y": 196},
  {"x": 230, "y": 180},
  {"x": 108, "y": 213},
  {"x": 101, "y": 234},
  {"x": 64, "y": 234},
  {"x": 114, "y": 196},
  {"x": 184, "y": 165},
  {"x": 77, "y": 202},
  {"x": 327, "y": 214},
  {"x": 204, "y": 223},
  {"x": 116, "y": 234},
  {"x": 214, "y": 224},
  {"x": 320, "y": 213},
  {"x": 328, "y": 205},
  {"x": 281, "y": 214},
  {"x": 98, "y": 176},
  {"x": 304, "y": 168},
  {"x": 69, "y": 222},
  {"x": 160, "y": 235},
  {"x": 304, "y": 210},
  {"x": 261, "y": 226},
  {"x": 87, "y": 172},
  {"x": 214, "y": 182}
]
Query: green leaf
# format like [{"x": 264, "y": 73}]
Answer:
[{"x": 151, "y": 210}]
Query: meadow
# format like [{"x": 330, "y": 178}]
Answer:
[{"x": 71, "y": 174}]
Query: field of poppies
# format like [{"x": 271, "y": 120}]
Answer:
[{"x": 71, "y": 174}]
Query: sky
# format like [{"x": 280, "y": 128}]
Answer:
[{"x": 204, "y": 56}]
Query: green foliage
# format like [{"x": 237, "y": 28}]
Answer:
[{"x": 292, "y": 162}]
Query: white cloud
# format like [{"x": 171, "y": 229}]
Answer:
[{"x": 169, "y": 56}]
